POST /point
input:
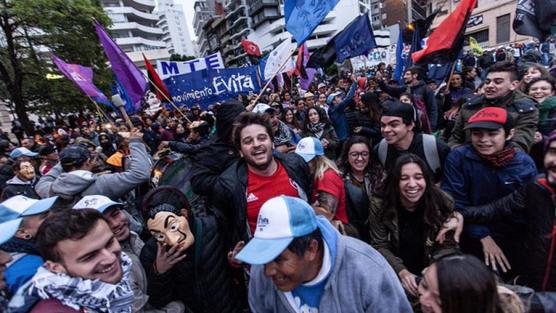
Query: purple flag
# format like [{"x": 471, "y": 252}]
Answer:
[
  {"x": 82, "y": 76},
  {"x": 305, "y": 83},
  {"x": 129, "y": 76}
]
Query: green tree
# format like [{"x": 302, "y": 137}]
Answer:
[
  {"x": 178, "y": 57},
  {"x": 32, "y": 30}
]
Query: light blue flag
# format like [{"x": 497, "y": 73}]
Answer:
[{"x": 303, "y": 16}]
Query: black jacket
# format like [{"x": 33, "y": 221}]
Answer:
[
  {"x": 231, "y": 197},
  {"x": 209, "y": 162},
  {"x": 189, "y": 148},
  {"x": 203, "y": 280},
  {"x": 212, "y": 159},
  {"x": 536, "y": 201},
  {"x": 420, "y": 91},
  {"x": 16, "y": 186}
]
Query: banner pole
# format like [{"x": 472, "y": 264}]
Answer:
[
  {"x": 101, "y": 113},
  {"x": 451, "y": 74},
  {"x": 278, "y": 71},
  {"x": 166, "y": 97}
]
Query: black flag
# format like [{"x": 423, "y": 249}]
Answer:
[{"x": 526, "y": 22}]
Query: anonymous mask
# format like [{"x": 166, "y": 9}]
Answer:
[
  {"x": 26, "y": 171},
  {"x": 171, "y": 229}
]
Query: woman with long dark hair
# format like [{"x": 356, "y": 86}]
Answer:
[
  {"x": 463, "y": 284},
  {"x": 407, "y": 225},
  {"x": 362, "y": 178},
  {"x": 289, "y": 119},
  {"x": 318, "y": 125}
]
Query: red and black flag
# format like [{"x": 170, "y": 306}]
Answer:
[
  {"x": 446, "y": 41},
  {"x": 251, "y": 48},
  {"x": 302, "y": 59},
  {"x": 154, "y": 80}
]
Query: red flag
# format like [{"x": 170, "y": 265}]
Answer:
[
  {"x": 446, "y": 41},
  {"x": 154, "y": 80},
  {"x": 251, "y": 48},
  {"x": 302, "y": 59}
]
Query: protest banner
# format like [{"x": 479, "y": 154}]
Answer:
[
  {"x": 167, "y": 69},
  {"x": 375, "y": 57},
  {"x": 210, "y": 86}
]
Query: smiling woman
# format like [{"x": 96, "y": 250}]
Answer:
[{"x": 406, "y": 219}]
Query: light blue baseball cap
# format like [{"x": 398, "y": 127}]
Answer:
[
  {"x": 14, "y": 209},
  {"x": 308, "y": 148},
  {"x": 22, "y": 151},
  {"x": 97, "y": 202},
  {"x": 280, "y": 220}
]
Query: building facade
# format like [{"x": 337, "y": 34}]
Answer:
[
  {"x": 134, "y": 28},
  {"x": 490, "y": 24},
  {"x": 204, "y": 11},
  {"x": 173, "y": 23},
  {"x": 134, "y": 25}
]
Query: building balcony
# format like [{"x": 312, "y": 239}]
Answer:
[
  {"x": 258, "y": 5},
  {"x": 148, "y": 17},
  {"x": 245, "y": 32},
  {"x": 141, "y": 5},
  {"x": 236, "y": 9},
  {"x": 137, "y": 27},
  {"x": 325, "y": 29},
  {"x": 225, "y": 39},
  {"x": 135, "y": 41},
  {"x": 236, "y": 21}
]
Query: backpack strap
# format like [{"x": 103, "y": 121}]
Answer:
[
  {"x": 431, "y": 152},
  {"x": 382, "y": 151}
]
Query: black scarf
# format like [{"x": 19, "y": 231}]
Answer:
[{"x": 316, "y": 128}]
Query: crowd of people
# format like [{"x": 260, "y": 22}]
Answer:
[{"x": 362, "y": 194}]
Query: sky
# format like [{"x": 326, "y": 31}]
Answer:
[{"x": 189, "y": 13}]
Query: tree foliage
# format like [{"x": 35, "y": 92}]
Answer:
[
  {"x": 32, "y": 30},
  {"x": 178, "y": 57}
]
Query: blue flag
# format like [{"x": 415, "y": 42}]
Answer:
[
  {"x": 355, "y": 40},
  {"x": 129, "y": 106},
  {"x": 262, "y": 65},
  {"x": 398, "y": 71},
  {"x": 303, "y": 16},
  {"x": 210, "y": 86}
]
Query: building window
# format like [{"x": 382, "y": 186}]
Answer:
[
  {"x": 480, "y": 36},
  {"x": 503, "y": 28}
]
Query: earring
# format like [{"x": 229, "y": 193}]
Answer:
[{"x": 27, "y": 236}]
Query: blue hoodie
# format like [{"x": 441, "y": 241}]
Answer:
[
  {"x": 337, "y": 113},
  {"x": 360, "y": 280}
]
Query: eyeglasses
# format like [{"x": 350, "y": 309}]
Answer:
[{"x": 355, "y": 154}]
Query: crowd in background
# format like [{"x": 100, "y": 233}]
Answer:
[{"x": 410, "y": 195}]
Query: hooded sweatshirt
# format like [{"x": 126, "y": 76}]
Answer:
[
  {"x": 70, "y": 186},
  {"x": 360, "y": 281}
]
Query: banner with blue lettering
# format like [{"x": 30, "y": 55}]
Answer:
[
  {"x": 210, "y": 86},
  {"x": 167, "y": 69}
]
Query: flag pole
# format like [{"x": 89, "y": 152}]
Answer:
[
  {"x": 101, "y": 113},
  {"x": 451, "y": 74},
  {"x": 166, "y": 97},
  {"x": 278, "y": 71}
]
